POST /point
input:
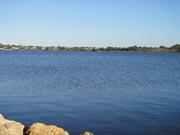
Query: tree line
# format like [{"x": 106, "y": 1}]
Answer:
[{"x": 174, "y": 48}]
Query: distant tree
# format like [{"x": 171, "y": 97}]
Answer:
[
  {"x": 38, "y": 47},
  {"x": 94, "y": 49},
  {"x": 132, "y": 48},
  {"x": 176, "y": 47},
  {"x": 61, "y": 48},
  {"x": 8, "y": 47},
  {"x": 162, "y": 47},
  {"x": 47, "y": 48},
  {"x": 1, "y": 45},
  {"x": 109, "y": 49},
  {"x": 101, "y": 49}
]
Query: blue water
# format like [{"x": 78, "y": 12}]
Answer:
[{"x": 108, "y": 93}]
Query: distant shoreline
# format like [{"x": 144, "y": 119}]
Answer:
[{"x": 174, "y": 48}]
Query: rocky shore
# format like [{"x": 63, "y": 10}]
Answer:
[{"x": 10, "y": 127}]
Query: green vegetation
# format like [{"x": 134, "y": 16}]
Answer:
[{"x": 174, "y": 48}]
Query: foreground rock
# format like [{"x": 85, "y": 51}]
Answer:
[
  {"x": 42, "y": 129},
  {"x": 8, "y": 127},
  {"x": 87, "y": 133}
]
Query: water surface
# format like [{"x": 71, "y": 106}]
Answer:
[{"x": 109, "y": 93}]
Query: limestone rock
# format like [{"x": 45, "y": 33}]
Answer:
[
  {"x": 87, "y": 133},
  {"x": 42, "y": 129},
  {"x": 8, "y": 127}
]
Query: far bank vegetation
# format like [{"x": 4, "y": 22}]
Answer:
[{"x": 174, "y": 48}]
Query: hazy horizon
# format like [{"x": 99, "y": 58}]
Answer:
[{"x": 98, "y": 23}]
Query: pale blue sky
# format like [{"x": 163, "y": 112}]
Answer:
[{"x": 90, "y": 22}]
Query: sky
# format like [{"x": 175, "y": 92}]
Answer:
[{"x": 98, "y": 23}]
